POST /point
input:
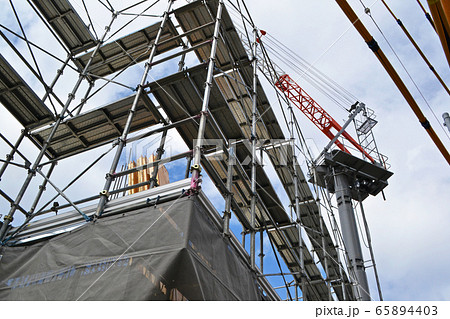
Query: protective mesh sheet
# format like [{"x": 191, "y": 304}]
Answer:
[{"x": 171, "y": 251}]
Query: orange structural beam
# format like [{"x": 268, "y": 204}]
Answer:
[
  {"x": 373, "y": 45},
  {"x": 440, "y": 11}
]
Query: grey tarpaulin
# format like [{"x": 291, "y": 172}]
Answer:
[{"x": 171, "y": 251}]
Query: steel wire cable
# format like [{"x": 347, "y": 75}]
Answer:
[
  {"x": 365, "y": 241},
  {"x": 309, "y": 68},
  {"x": 90, "y": 21},
  {"x": 111, "y": 8},
  {"x": 339, "y": 100},
  {"x": 317, "y": 79}
]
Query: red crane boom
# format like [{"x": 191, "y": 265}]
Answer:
[{"x": 315, "y": 112}]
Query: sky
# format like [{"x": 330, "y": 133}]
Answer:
[{"x": 409, "y": 229}]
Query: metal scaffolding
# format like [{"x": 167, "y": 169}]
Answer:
[{"x": 218, "y": 108}]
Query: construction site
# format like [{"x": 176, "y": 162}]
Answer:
[{"x": 161, "y": 150}]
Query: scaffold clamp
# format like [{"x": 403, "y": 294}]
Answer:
[{"x": 104, "y": 193}]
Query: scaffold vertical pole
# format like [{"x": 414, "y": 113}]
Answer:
[
  {"x": 297, "y": 204},
  {"x": 322, "y": 233},
  {"x": 261, "y": 251},
  {"x": 32, "y": 171},
  {"x": 160, "y": 150},
  {"x": 122, "y": 140},
  {"x": 159, "y": 154},
  {"x": 85, "y": 98},
  {"x": 58, "y": 75},
  {"x": 188, "y": 166},
  {"x": 195, "y": 177},
  {"x": 372, "y": 255},
  {"x": 181, "y": 63},
  {"x": 42, "y": 188},
  {"x": 325, "y": 257},
  {"x": 14, "y": 149},
  {"x": 229, "y": 196},
  {"x": 253, "y": 140}
]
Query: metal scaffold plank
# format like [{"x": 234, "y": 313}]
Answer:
[
  {"x": 97, "y": 127},
  {"x": 66, "y": 22},
  {"x": 129, "y": 50},
  {"x": 20, "y": 100},
  {"x": 197, "y": 14}
]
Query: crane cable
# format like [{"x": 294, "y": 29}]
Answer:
[
  {"x": 301, "y": 67},
  {"x": 333, "y": 84},
  {"x": 400, "y": 23},
  {"x": 317, "y": 80},
  {"x": 368, "y": 12}
]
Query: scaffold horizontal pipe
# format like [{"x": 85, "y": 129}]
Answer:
[
  {"x": 184, "y": 51},
  {"x": 152, "y": 164}
]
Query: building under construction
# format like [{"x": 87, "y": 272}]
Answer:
[{"x": 151, "y": 232}]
